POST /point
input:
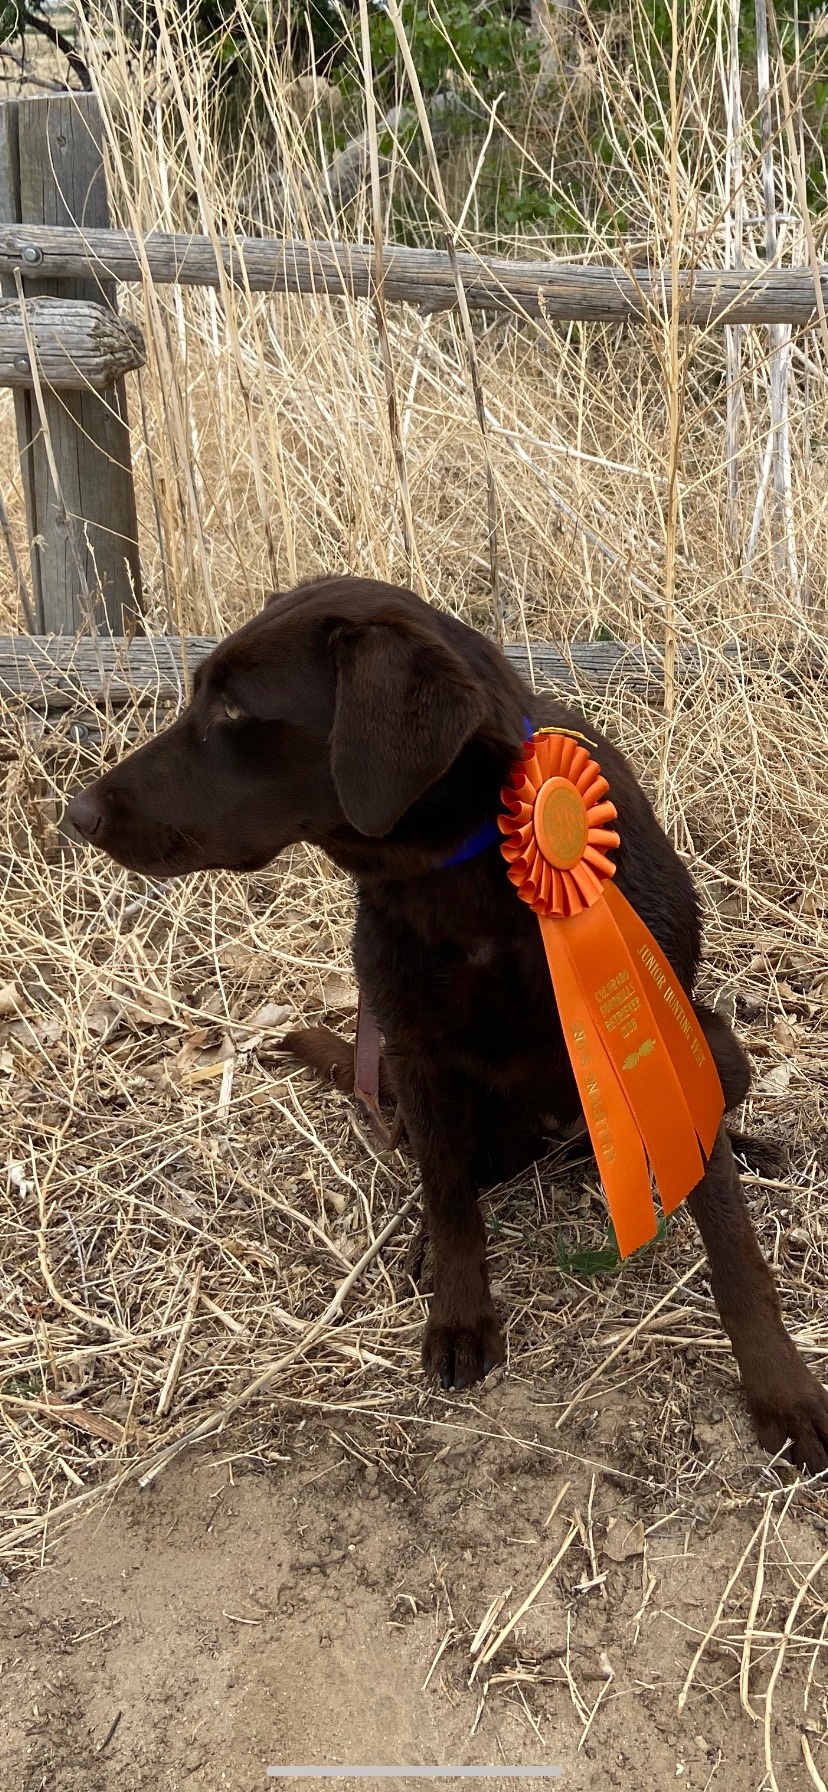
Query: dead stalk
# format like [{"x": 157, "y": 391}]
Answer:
[{"x": 465, "y": 319}]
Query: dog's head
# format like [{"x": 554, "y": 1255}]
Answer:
[{"x": 349, "y": 712}]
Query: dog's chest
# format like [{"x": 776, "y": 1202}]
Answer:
[
  {"x": 480, "y": 1010},
  {"x": 487, "y": 997},
  {"x": 480, "y": 973}
]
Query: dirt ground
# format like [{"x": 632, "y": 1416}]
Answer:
[{"x": 320, "y": 1608}]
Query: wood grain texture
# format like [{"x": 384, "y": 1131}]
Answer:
[
  {"x": 84, "y": 536},
  {"x": 10, "y": 208},
  {"x": 77, "y": 344},
  {"x": 554, "y": 290},
  {"x": 57, "y": 674}
]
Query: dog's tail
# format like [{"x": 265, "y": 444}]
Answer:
[
  {"x": 332, "y": 1057},
  {"x": 324, "y": 1051},
  {"x": 763, "y": 1157},
  {"x": 731, "y": 1061}
]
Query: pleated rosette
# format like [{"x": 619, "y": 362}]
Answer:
[{"x": 555, "y": 823}]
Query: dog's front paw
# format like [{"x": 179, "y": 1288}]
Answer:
[
  {"x": 458, "y": 1355},
  {"x": 795, "y": 1408}
]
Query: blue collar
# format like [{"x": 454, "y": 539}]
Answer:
[
  {"x": 482, "y": 838},
  {"x": 488, "y": 833}
]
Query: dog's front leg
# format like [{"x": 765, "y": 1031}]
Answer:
[
  {"x": 785, "y": 1399},
  {"x": 463, "y": 1339}
]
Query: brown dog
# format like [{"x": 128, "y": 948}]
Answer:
[{"x": 351, "y": 714}]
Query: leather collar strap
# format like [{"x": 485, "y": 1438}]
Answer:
[
  {"x": 366, "y": 1065},
  {"x": 367, "y": 1049}
]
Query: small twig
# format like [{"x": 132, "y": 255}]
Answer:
[
  {"x": 758, "y": 508},
  {"x": 167, "y": 1391},
  {"x": 594, "y": 1712},
  {"x": 628, "y": 1338},
  {"x": 485, "y": 1626},
  {"x": 559, "y": 1497},
  {"x": 744, "y": 1671},
  {"x": 110, "y": 1732},
  {"x": 810, "y": 1763},
  {"x": 593, "y": 1558},
  {"x": 226, "y": 1090},
  {"x": 448, "y": 1638},
  {"x": 578, "y": 1702},
  {"x": 530, "y": 1598}
]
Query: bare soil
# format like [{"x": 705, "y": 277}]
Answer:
[{"x": 317, "y": 1605}]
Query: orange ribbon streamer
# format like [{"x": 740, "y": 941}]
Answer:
[{"x": 647, "y": 1082}]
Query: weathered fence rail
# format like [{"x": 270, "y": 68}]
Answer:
[
  {"x": 74, "y": 343},
  {"x": 55, "y": 675},
  {"x": 559, "y": 291}
]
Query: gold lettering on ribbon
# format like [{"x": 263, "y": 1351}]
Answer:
[
  {"x": 673, "y": 1001},
  {"x": 618, "y": 1003},
  {"x": 599, "y": 1126}
]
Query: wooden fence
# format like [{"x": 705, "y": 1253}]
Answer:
[
  {"x": 557, "y": 291},
  {"x": 54, "y": 676},
  {"x": 73, "y": 444},
  {"x": 69, "y": 684},
  {"x": 66, "y": 352}
]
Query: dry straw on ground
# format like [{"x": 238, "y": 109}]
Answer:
[{"x": 179, "y": 1207}]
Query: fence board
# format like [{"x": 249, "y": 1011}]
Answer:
[
  {"x": 84, "y": 537},
  {"x": 554, "y": 290},
  {"x": 76, "y": 344},
  {"x": 56, "y": 674}
]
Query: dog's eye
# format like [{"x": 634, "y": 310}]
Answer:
[{"x": 232, "y": 711}]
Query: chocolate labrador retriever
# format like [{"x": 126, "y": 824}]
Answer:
[{"x": 353, "y": 715}]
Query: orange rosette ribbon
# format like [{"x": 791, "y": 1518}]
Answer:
[{"x": 649, "y": 1088}]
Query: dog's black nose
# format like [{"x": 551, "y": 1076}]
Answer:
[{"x": 85, "y": 814}]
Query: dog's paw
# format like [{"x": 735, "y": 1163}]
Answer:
[
  {"x": 456, "y": 1356},
  {"x": 797, "y": 1412}
]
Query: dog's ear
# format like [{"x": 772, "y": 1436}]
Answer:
[{"x": 405, "y": 705}]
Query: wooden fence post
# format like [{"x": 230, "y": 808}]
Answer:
[{"x": 80, "y": 499}]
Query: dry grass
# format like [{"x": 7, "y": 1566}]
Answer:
[{"x": 179, "y": 1207}]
